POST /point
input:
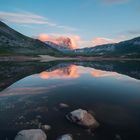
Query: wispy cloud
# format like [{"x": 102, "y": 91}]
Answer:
[
  {"x": 133, "y": 32},
  {"x": 126, "y": 35},
  {"x": 95, "y": 42},
  {"x": 102, "y": 40},
  {"x": 23, "y": 17},
  {"x": 30, "y": 18}
]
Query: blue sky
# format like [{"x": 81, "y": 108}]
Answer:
[{"x": 89, "y": 22}]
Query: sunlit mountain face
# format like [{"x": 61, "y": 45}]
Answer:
[{"x": 62, "y": 42}]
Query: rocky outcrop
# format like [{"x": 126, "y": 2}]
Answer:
[
  {"x": 32, "y": 134},
  {"x": 46, "y": 127},
  {"x": 82, "y": 118}
]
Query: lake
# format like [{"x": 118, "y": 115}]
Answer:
[{"x": 32, "y": 94}]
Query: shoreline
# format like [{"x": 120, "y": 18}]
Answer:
[{"x": 48, "y": 58}]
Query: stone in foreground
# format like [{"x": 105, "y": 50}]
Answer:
[
  {"x": 82, "y": 118},
  {"x": 31, "y": 134},
  {"x": 65, "y": 137},
  {"x": 46, "y": 127}
]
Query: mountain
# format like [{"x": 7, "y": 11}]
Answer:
[
  {"x": 13, "y": 42},
  {"x": 63, "y": 44},
  {"x": 63, "y": 47},
  {"x": 129, "y": 48}
]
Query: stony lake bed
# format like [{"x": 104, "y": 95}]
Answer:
[{"x": 39, "y": 95}]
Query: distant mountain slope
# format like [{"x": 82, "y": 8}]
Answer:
[
  {"x": 13, "y": 42},
  {"x": 63, "y": 44},
  {"x": 129, "y": 48}
]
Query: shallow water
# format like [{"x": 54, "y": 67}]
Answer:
[{"x": 109, "y": 90}]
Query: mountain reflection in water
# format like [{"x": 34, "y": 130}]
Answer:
[
  {"x": 70, "y": 71},
  {"x": 109, "y": 90}
]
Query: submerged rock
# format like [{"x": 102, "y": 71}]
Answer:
[
  {"x": 65, "y": 137},
  {"x": 83, "y": 118},
  {"x": 31, "y": 134},
  {"x": 117, "y": 137},
  {"x": 46, "y": 127},
  {"x": 63, "y": 105}
]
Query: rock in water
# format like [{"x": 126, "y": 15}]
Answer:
[
  {"x": 62, "y": 105},
  {"x": 31, "y": 134},
  {"x": 83, "y": 118},
  {"x": 65, "y": 137},
  {"x": 117, "y": 137},
  {"x": 46, "y": 127}
]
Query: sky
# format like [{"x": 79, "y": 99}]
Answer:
[{"x": 86, "y": 22}]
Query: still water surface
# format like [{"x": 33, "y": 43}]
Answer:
[{"x": 110, "y": 91}]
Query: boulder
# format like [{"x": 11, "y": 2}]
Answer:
[
  {"x": 46, "y": 127},
  {"x": 83, "y": 118},
  {"x": 65, "y": 137},
  {"x": 31, "y": 134}
]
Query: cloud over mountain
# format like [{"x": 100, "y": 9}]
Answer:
[
  {"x": 70, "y": 42},
  {"x": 101, "y": 41},
  {"x": 74, "y": 41}
]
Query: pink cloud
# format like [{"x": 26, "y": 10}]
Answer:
[
  {"x": 43, "y": 37},
  {"x": 101, "y": 41},
  {"x": 26, "y": 18},
  {"x": 74, "y": 41}
]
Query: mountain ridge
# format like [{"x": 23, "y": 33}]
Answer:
[
  {"x": 127, "y": 48},
  {"x": 14, "y": 42}
]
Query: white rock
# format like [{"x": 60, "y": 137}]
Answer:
[
  {"x": 83, "y": 118},
  {"x": 65, "y": 137},
  {"x": 31, "y": 134},
  {"x": 62, "y": 105},
  {"x": 46, "y": 127}
]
